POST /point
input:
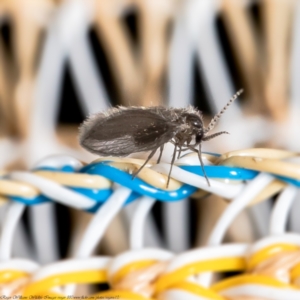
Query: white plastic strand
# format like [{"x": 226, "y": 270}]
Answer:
[
  {"x": 12, "y": 218},
  {"x": 54, "y": 191},
  {"x": 281, "y": 210},
  {"x": 137, "y": 226},
  {"x": 101, "y": 220},
  {"x": 237, "y": 205}
]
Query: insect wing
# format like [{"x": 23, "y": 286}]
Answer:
[{"x": 126, "y": 131}]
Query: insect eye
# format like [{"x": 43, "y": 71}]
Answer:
[
  {"x": 194, "y": 121},
  {"x": 197, "y": 124}
]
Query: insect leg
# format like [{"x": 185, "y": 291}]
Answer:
[
  {"x": 191, "y": 148},
  {"x": 179, "y": 152},
  {"x": 144, "y": 164},
  {"x": 202, "y": 165},
  {"x": 160, "y": 154},
  {"x": 180, "y": 148},
  {"x": 172, "y": 162},
  {"x": 209, "y": 137}
]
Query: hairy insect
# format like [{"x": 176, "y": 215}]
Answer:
[{"x": 125, "y": 130}]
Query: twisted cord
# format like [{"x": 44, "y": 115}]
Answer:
[
  {"x": 152, "y": 273},
  {"x": 86, "y": 187}
]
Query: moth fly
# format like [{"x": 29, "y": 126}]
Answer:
[{"x": 122, "y": 131}]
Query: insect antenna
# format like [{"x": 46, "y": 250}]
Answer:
[
  {"x": 215, "y": 119},
  {"x": 212, "y": 136}
]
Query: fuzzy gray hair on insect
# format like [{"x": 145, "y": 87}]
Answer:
[{"x": 122, "y": 131}]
